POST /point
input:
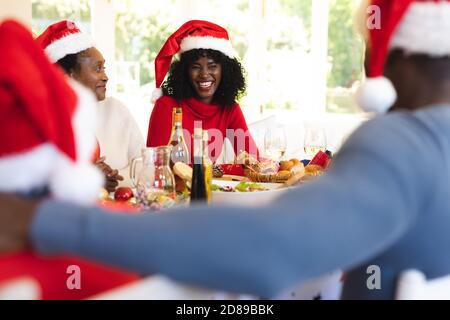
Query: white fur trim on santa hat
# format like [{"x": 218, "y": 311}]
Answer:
[
  {"x": 156, "y": 94},
  {"x": 75, "y": 182},
  {"x": 425, "y": 28},
  {"x": 376, "y": 95},
  {"x": 84, "y": 122},
  {"x": 45, "y": 165},
  {"x": 24, "y": 172},
  {"x": 71, "y": 44},
  {"x": 208, "y": 42}
]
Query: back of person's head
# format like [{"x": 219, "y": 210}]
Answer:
[
  {"x": 47, "y": 124},
  {"x": 412, "y": 31}
]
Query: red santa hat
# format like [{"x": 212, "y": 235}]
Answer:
[
  {"x": 63, "y": 38},
  {"x": 47, "y": 126},
  {"x": 194, "y": 34},
  {"x": 415, "y": 26}
]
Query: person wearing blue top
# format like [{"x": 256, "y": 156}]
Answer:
[{"x": 385, "y": 201}]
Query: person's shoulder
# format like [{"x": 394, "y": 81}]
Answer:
[
  {"x": 113, "y": 102},
  {"x": 437, "y": 115},
  {"x": 398, "y": 132},
  {"x": 116, "y": 105},
  {"x": 166, "y": 101},
  {"x": 164, "y": 104},
  {"x": 234, "y": 108},
  {"x": 414, "y": 122},
  {"x": 378, "y": 128}
]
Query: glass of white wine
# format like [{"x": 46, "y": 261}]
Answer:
[
  {"x": 275, "y": 142},
  {"x": 315, "y": 141}
]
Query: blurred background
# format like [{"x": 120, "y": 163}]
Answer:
[{"x": 303, "y": 57}]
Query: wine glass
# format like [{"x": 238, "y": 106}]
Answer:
[
  {"x": 275, "y": 142},
  {"x": 315, "y": 141}
]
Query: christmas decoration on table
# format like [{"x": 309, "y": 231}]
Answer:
[
  {"x": 218, "y": 172},
  {"x": 123, "y": 194}
]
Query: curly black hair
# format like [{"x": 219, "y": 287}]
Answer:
[{"x": 232, "y": 85}]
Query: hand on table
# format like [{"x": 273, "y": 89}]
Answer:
[{"x": 112, "y": 176}]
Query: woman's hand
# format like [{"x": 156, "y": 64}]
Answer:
[
  {"x": 16, "y": 215},
  {"x": 112, "y": 176}
]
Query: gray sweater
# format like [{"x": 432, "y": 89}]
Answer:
[{"x": 384, "y": 202}]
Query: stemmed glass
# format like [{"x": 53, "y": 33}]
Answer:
[
  {"x": 315, "y": 141},
  {"x": 275, "y": 141}
]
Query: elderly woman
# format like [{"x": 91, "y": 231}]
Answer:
[
  {"x": 117, "y": 132},
  {"x": 205, "y": 82}
]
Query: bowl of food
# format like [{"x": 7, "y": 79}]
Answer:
[{"x": 245, "y": 193}]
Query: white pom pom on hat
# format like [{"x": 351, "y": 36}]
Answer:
[
  {"x": 376, "y": 95},
  {"x": 76, "y": 182}
]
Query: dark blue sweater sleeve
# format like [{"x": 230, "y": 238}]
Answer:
[{"x": 366, "y": 201}]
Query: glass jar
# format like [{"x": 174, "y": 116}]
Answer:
[
  {"x": 137, "y": 165},
  {"x": 155, "y": 183}
]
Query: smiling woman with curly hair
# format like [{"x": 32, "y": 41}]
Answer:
[
  {"x": 232, "y": 83},
  {"x": 205, "y": 83}
]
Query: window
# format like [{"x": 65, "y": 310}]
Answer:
[
  {"x": 141, "y": 29},
  {"x": 345, "y": 57},
  {"x": 301, "y": 56},
  {"x": 286, "y": 71},
  {"x": 46, "y": 12}
]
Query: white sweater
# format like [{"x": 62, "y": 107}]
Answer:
[{"x": 119, "y": 136}]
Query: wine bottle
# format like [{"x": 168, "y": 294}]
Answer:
[
  {"x": 207, "y": 166},
  {"x": 180, "y": 152},
  {"x": 198, "y": 187}
]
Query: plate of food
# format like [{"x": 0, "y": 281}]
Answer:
[{"x": 245, "y": 193}]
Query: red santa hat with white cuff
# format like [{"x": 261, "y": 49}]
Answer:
[
  {"x": 194, "y": 34},
  {"x": 415, "y": 26},
  {"x": 63, "y": 38},
  {"x": 47, "y": 125}
]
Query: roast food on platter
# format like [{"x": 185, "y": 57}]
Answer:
[
  {"x": 289, "y": 172},
  {"x": 248, "y": 168},
  {"x": 268, "y": 170}
]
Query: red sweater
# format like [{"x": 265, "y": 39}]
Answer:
[{"x": 212, "y": 117}]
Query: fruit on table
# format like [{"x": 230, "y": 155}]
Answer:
[
  {"x": 123, "y": 194},
  {"x": 103, "y": 194}
]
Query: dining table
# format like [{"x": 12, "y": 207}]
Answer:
[{"x": 48, "y": 277}]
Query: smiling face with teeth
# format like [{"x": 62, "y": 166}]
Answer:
[{"x": 205, "y": 75}]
